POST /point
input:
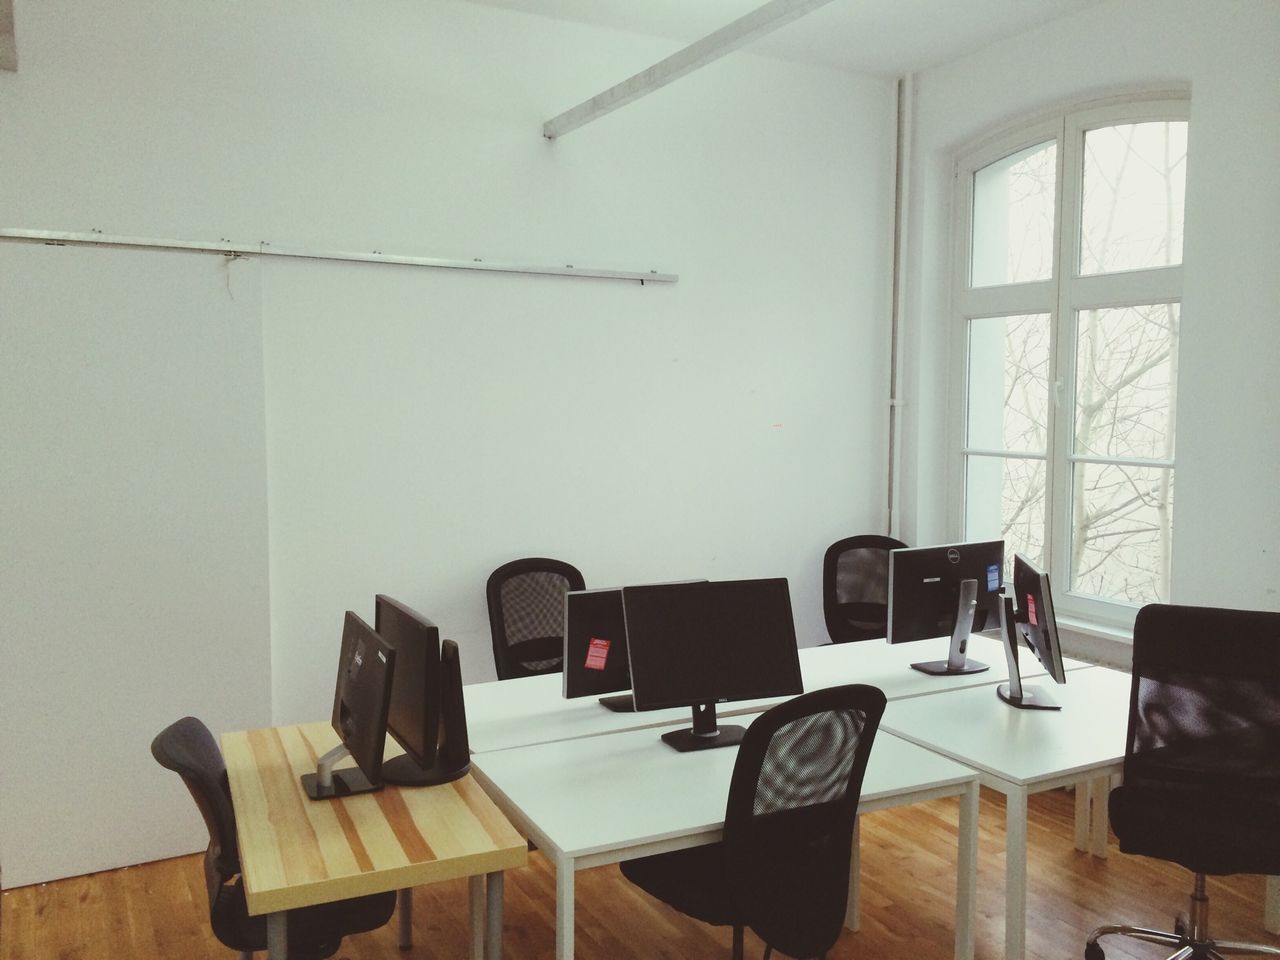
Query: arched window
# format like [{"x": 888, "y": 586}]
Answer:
[{"x": 1068, "y": 287}]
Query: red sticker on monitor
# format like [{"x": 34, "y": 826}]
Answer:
[
  {"x": 597, "y": 654},
  {"x": 1031, "y": 610}
]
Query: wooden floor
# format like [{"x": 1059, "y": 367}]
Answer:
[{"x": 158, "y": 911}]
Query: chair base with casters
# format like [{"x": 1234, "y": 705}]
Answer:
[{"x": 1189, "y": 939}]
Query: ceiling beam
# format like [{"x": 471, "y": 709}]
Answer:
[
  {"x": 744, "y": 30},
  {"x": 8, "y": 43}
]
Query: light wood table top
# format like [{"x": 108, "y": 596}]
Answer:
[{"x": 296, "y": 852}]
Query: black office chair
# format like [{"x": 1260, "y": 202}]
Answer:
[
  {"x": 526, "y": 615},
  {"x": 855, "y": 587},
  {"x": 1202, "y": 763},
  {"x": 782, "y": 868},
  {"x": 188, "y": 748}
]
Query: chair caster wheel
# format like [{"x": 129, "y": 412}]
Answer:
[{"x": 1093, "y": 952}]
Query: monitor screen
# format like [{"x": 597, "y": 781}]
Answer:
[
  {"x": 1036, "y": 623},
  {"x": 692, "y": 644},
  {"x": 595, "y": 643},
  {"x": 366, "y": 667},
  {"x": 423, "y": 695}
]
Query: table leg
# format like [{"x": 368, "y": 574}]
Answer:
[
  {"x": 277, "y": 935},
  {"x": 564, "y": 909},
  {"x": 1099, "y": 792},
  {"x": 855, "y": 878},
  {"x": 404, "y": 913},
  {"x": 493, "y": 910},
  {"x": 967, "y": 873},
  {"x": 1271, "y": 913},
  {"x": 475, "y": 891},
  {"x": 1015, "y": 874},
  {"x": 1083, "y": 808}
]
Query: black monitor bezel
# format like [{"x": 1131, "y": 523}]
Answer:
[
  {"x": 415, "y": 688},
  {"x": 366, "y": 691},
  {"x": 712, "y": 689},
  {"x": 937, "y": 558},
  {"x": 1031, "y": 587},
  {"x": 576, "y": 680}
]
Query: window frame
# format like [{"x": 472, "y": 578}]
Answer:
[{"x": 1062, "y": 296}]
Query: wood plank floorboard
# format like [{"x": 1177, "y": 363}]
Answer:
[{"x": 158, "y": 911}]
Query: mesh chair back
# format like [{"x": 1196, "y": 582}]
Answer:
[
  {"x": 526, "y": 614},
  {"x": 790, "y": 816},
  {"x": 188, "y": 749},
  {"x": 855, "y": 587},
  {"x": 1204, "y": 738}
]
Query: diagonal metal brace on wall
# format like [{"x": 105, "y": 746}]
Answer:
[{"x": 744, "y": 30}]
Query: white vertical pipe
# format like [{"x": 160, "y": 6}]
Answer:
[{"x": 901, "y": 216}]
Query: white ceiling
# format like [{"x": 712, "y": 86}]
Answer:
[{"x": 891, "y": 37}]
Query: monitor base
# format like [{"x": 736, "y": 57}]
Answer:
[
  {"x": 686, "y": 740},
  {"x": 622, "y": 703},
  {"x": 1033, "y": 698},
  {"x": 401, "y": 771},
  {"x": 943, "y": 668},
  {"x": 346, "y": 782}
]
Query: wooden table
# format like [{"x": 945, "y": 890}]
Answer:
[
  {"x": 296, "y": 852},
  {"x": 598, "y": 800}
]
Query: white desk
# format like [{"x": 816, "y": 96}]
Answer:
[
  {"x": 1020, "y": 752},
  {"x": 599, "y": 800},
  {"x": 514, "y": 713}
]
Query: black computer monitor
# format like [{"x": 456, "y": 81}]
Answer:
[
  {"x": 366, "y": 667},
  {"x": 595, "y": 647},
  {"x": 426, "y": 717},
  {"x": 699, "y": 644},
  {"x": 945, "y": 590},
  {"x": 1028, "y": 615}
]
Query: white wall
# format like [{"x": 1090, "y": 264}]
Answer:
[
  {"x": 133, "y": 532},
  {"x": 1226, "y": 524},
  {"x": 422, "y": 427}
]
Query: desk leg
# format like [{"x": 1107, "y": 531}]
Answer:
[
  {"x": 404, "y": 914},
  {"x": 967, "y": 873},
  {"x": 564, "y": 909},
  {"x": 1271, "y": 914},
  {"x": 1015, "y": 874},
  {"x": 1083, "y": 807},
  {"x": 277, "y": 935},
  {"x": 855, "y": 878},
  {"x": 494, "y": 885},
  {"x": 1099, "y": 792},
  {"x": 475, "y": 891}
]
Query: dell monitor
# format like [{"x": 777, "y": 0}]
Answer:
[
  {"x": 1028, "y": 615},
  {"x": 946, "y": 590},
  {"x": 426, "y": 715},
  {"x": 698, "y": 644},
  {"x": 595, "y": 647},
  {"x": 366, "y": 667}
]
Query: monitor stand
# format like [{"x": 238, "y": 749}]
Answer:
[
  {"x": 327, "y": 782},
  {"x": 705, "y": 734},
  {"x": 1013, "y": 692},
  {"x": 402, "y": 771},
  {"x": 956, "y": 664},
  {"x": 622, "y": 703}
]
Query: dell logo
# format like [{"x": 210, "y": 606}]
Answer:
[{"x": 953, "y": 555}]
